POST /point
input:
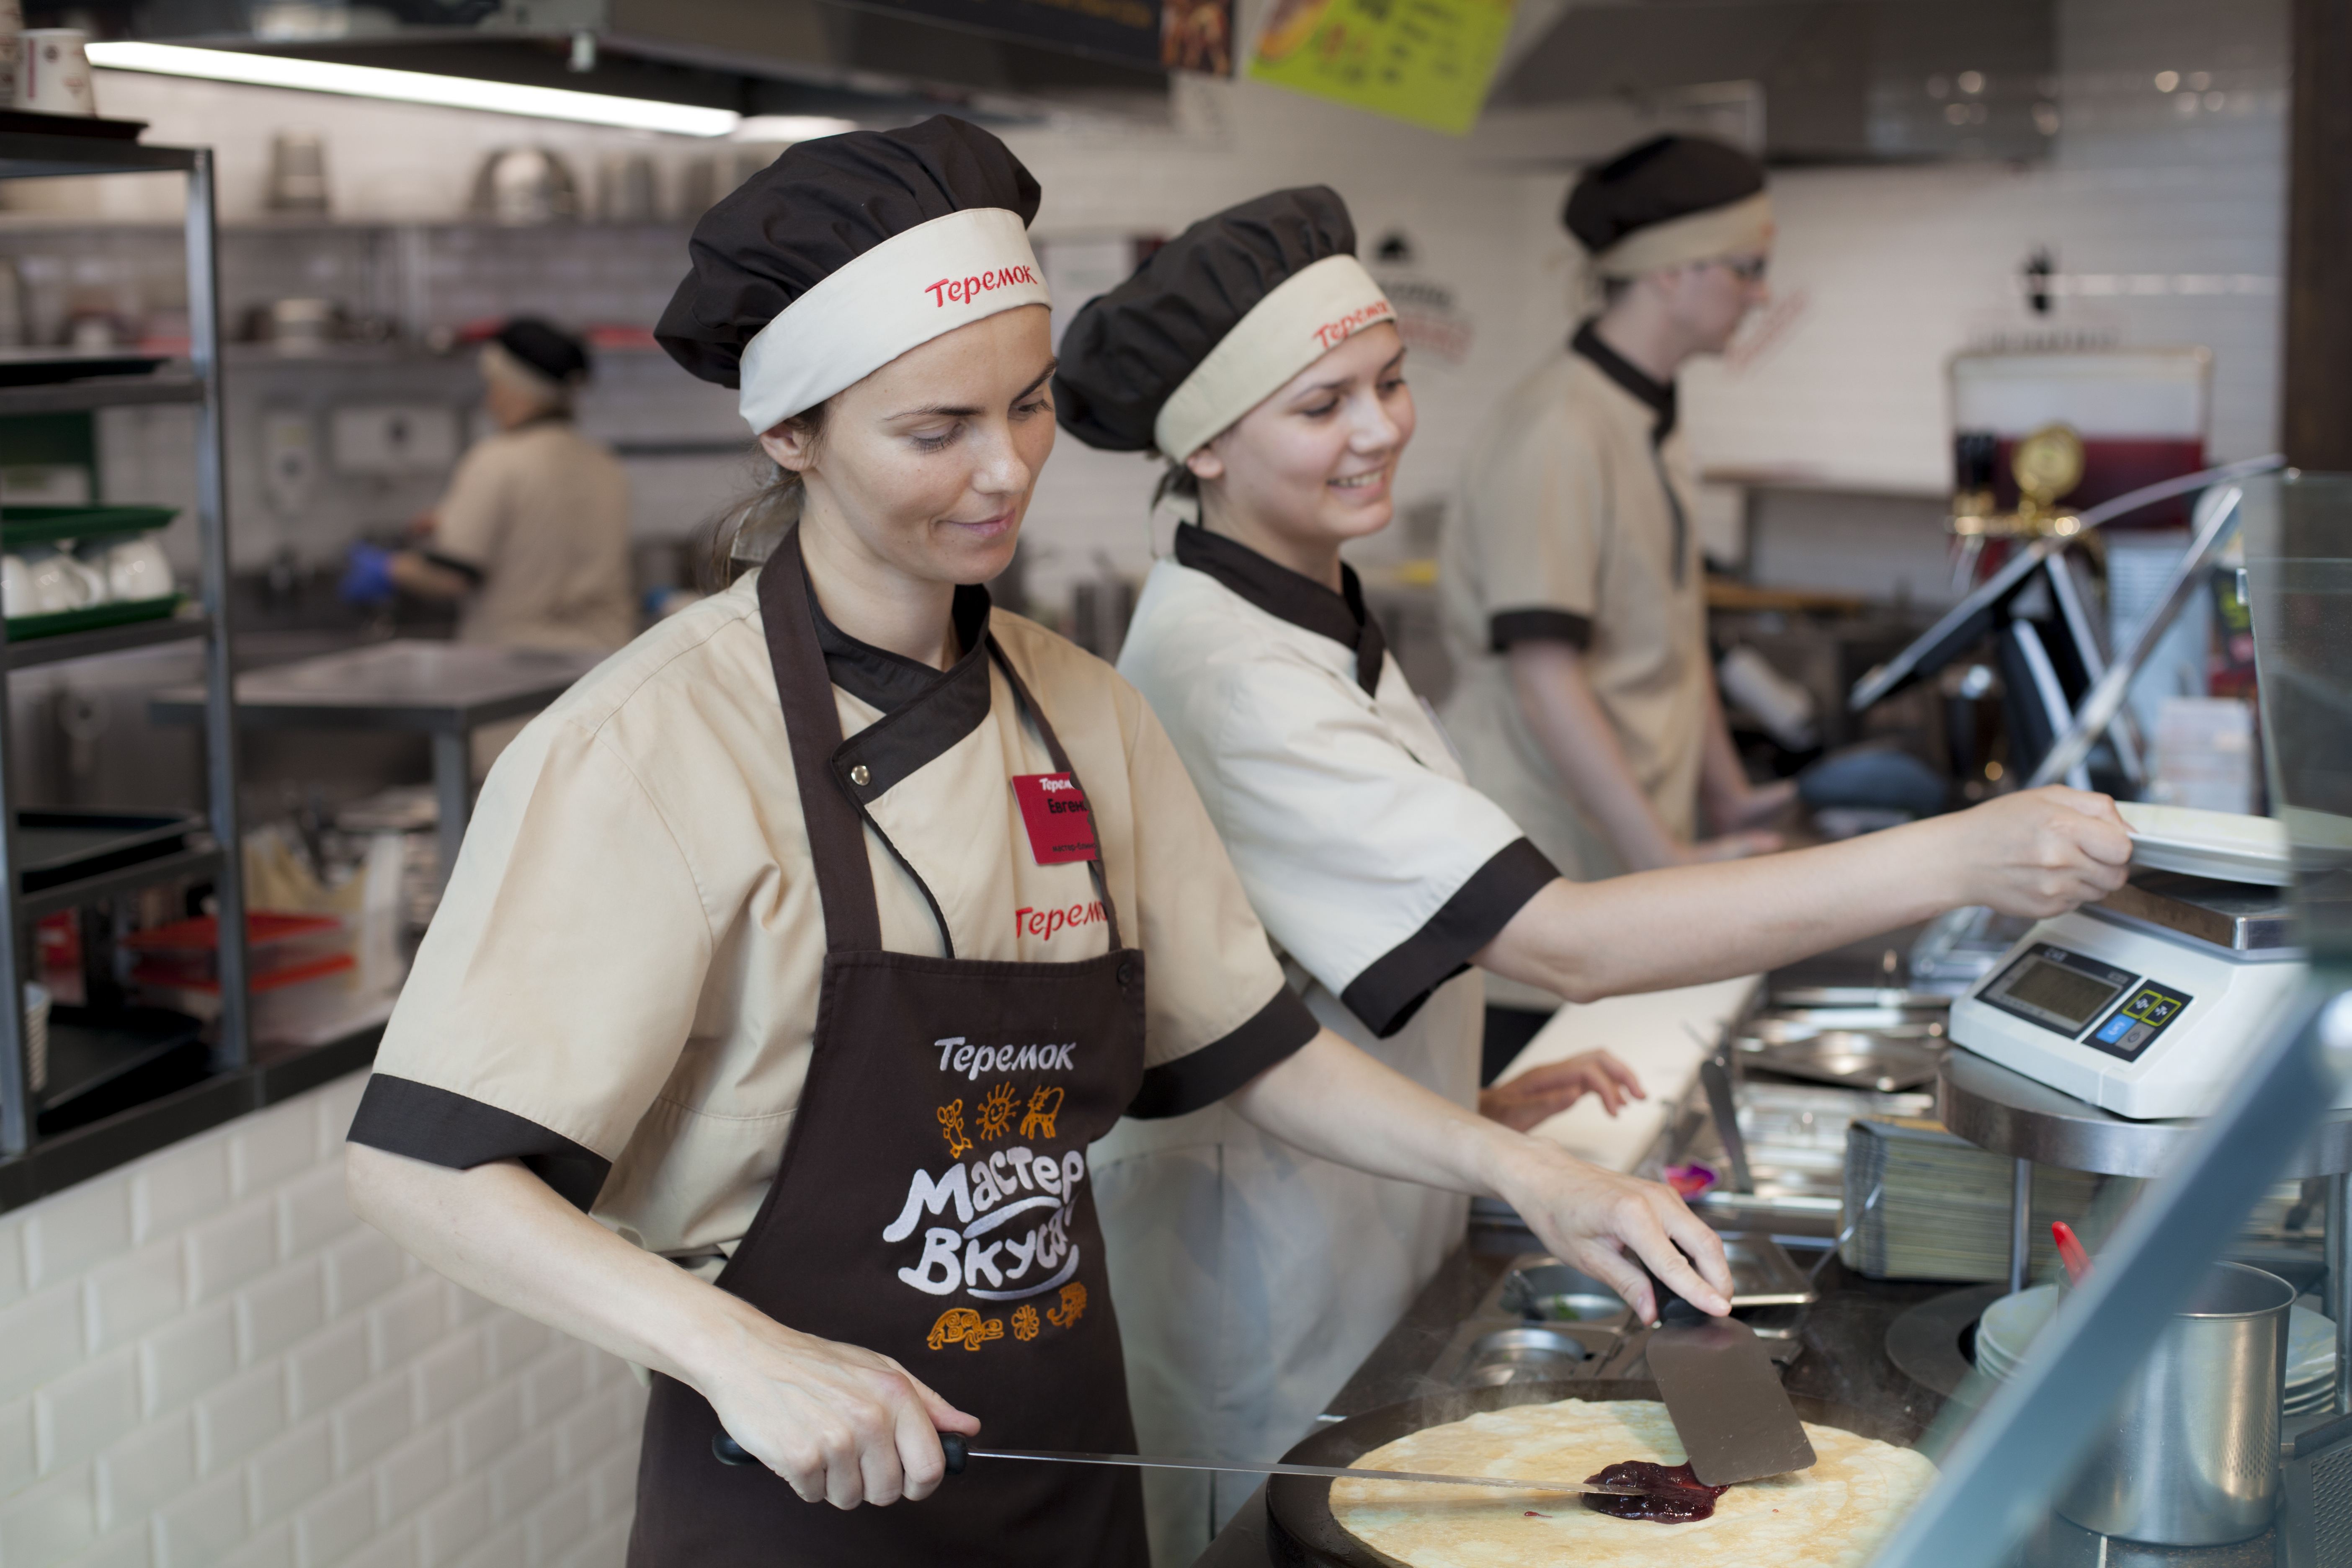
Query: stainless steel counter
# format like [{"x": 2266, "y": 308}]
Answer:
[{"x": 440, "y": 689}]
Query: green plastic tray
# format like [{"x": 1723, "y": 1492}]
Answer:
[
  {"x": 57, "y": 623},
  {"x": 23, "y": 525}
]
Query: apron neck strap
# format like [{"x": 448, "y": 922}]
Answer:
[{"x": 837, "y": 831}]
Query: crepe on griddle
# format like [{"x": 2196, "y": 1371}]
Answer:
[{"x": 1833, "y": 1513}]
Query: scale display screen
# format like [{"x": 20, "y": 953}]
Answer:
[{"x": 2059, "y": 990}]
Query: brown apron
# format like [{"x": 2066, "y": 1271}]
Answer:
[{"x": 932, "y": 1204}]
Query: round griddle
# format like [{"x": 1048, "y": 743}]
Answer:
[{"x": 1298, "y": 1508}]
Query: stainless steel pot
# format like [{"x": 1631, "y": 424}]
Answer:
[
  {"x": 2190, "y": 1457},
  {"x": 521, "y": 185}
]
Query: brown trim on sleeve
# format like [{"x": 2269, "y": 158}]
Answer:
[
  {"x": 1273, "y": 1035},
  {"x": 1508, "y": 627},
  {"x": 440, "y": 1127},
  {"x": 1392, "y": 987}
]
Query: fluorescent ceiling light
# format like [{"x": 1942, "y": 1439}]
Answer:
[
  {"x": 791, "y": 127},
  {"x": 415, "y": 87}
]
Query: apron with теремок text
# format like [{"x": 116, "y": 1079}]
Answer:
[{"x": 932, "y": 1204}]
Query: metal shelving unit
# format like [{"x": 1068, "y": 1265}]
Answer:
[{"x": 27, "y": 1170}]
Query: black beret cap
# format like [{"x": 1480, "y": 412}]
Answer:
[
  {"x": 1129, "y": 349},
  {"x": 820, "y": 206},
  {"x": 1664, "y": 178},
  {"x": 545, "y": 348}
]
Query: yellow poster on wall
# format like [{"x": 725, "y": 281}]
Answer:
[{"x": 1426, "y": 62}]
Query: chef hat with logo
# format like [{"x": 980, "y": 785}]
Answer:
[
  {"x": 1671, "y": 201},
  {"x": 1214, "y": 322},
  {"x": 847, "y": 252}
]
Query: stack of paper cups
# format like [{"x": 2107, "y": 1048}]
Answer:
[{"x": 53, "y": 70}]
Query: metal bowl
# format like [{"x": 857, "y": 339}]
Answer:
[
  {"x": 1574, "y": 1309},
  {"x": 1559, "y": 1293},
  {"x": 1523, "y": 1355},
  {"x": 1529, "y": 1344}
]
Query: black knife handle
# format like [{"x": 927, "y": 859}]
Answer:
[
  {"x": 727, "y": 1451},
  {"x": 1673, "y": 1312}
]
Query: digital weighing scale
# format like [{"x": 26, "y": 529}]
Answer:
[{"x": 2144, "y": 1003}]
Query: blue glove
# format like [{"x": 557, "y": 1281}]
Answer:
[
  {"x": 368, "y": 579},
  {"x": 1875, "y": 778}
]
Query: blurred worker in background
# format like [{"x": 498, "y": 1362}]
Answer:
[
  {"x": 533, "y": 536},
  {"x": 1571, "y": 587}
]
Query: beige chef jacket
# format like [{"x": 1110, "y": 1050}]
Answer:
[
  {"x": 1572, "y": 523},
  {"x": 1252, "y": 1279},
  {"x": 538, "y": 517},
  {"x": 621, "y": 986}
]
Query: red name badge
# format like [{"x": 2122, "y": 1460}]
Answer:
[{"x": 1054, "y": 808}]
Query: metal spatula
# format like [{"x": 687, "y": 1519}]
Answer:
[{"x": 1725, "y": 1395}]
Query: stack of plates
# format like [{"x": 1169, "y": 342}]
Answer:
[{"x": 2009, "y": 1325}]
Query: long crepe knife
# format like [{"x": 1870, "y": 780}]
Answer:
[{"x": 730, "y": 1452}]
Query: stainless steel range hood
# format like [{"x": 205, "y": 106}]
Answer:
[
  {"x": 854, "y": 61},
  {"x": 1844, "y": 80}
]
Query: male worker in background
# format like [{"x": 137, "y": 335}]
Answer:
[
  {"x": 533, "y": 536},
  {"x": 1571, "y": 591}
]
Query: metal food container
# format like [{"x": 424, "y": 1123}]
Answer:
[{"x": 2190, "y": 1457}]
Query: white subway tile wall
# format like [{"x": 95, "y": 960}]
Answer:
[{"x": 207, "y": 1362}]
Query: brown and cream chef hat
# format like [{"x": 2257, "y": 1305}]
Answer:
[
  {"x": 847, "y": 252},
  {"x": 1669, "y": 202},
  {"x": 1213, "y": 324}
]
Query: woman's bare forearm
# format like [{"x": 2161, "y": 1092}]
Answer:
[
  {"x": 2034, "y": 855},
  {"x": 840, "y": 1422},
  {"x": 1335, "y": 1102},
  {"x": 1687, "y": 925},
  {"x": 504, "y": 1234},
  {"x": 1332, "y": 1100}
]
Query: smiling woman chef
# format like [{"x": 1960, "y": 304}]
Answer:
[
  {"x": 1256, "y": 354},
  {"x": 734, "y": 961}
]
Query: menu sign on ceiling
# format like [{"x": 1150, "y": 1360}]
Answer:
[
  {"x": 1155, "y": 35},
  {"x": 1426, "y": 62}
]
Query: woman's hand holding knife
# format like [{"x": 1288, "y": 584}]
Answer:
[{"x": 839, "y": 1422}]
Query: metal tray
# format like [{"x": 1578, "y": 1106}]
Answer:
[
  {"x": 63, "y": 846},
  {"x": 1851, "y": 1059},
  {"x": 1762, "y": 1275},
  {"x": 23, "y": 525},
  {"x": 1298, "y": 1508},
  {"x": 1805, "y": 1023},
  {"x": 93, "y": 617},
  {"x": 102, "y": 1062}
]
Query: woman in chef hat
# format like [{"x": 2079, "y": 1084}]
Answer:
[
  {"x": 797, "y": 955},
  {"x": 1258, "y": 357}
]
